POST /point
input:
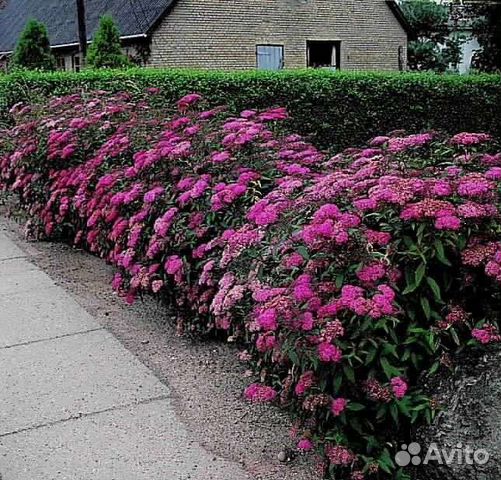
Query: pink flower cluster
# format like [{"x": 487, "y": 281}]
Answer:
[
  {"x": 486, "y": 334},
  {"x": 305, "y": 382},
  {"x": 467, "y": 139},
  {"x": 338, "y": 406},
  {"x": 400, "y": 144},
  {"x": 260, "y": 393},
  {"x": 329, "y": 353},
  {"x": 399, "y": 387},
  {"x": 329, "y": 224},
  {"x": 371, "y": 273},
  {"x": 338, "y": 455}
]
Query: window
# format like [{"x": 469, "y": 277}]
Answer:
[
  {"x": 75, "y": 62},
  {"x": 323, "y": 54},
  {"x": 401, "y": 65},
  {"x": 61, "y": 64},
  {"x": 270, "y": 57}
]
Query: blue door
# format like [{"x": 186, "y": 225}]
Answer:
[{"x": 270, "y": 57}]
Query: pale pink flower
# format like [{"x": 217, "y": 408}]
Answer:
[
  {"x": 305, "y": 445},
  {"x": 338, "y": 406},
  {"x": 258, "y": 393},
  {"x": 329, "y": 353},
  {"x": 399, "y": 387}
]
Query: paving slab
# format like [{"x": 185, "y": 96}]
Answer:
[
  {"x": 8, "y": 249},
  {"x": 40, "y": 316},
  {"x": 74, "y": 403},
  {"x": 58, "y": 379},
  {"x": 143, "y": 442},
  {"x": 19, "y": 275}
]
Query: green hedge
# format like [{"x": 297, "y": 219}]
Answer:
[{"x": 332, "y": 109}]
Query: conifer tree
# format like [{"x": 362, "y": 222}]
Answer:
[
  {"x": 105, "y": 50},
  {"x": 433, "y": 45},
  {"x": 33, "y": 49}
]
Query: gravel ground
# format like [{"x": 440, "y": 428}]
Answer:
[
  {"x": 206, "y": 377},
  {"x": 471, "y": 417}
]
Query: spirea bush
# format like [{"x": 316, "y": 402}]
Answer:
[{"x": 343, "y": 280}]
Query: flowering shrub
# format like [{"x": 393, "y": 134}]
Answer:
[{"x": 343, "y": 279}]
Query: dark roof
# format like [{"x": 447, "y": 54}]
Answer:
[
  {"x": 133, "y": 17},
  {"x": 397, "y": 11}
]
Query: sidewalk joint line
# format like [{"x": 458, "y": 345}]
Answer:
[
  {"x": 57, "y": 337},
  {"x": 86, "y": 415},
  {"x": 20, "y": 257}
]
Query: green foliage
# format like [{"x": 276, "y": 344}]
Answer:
[
  {"x": 335, "y": 110},
  {"x": 427, "y": 18},
  {"x": 432, "y": 49},
  {"x": 33, "y": 49},
  {"x": 425, "y": 55},
  {"x": 105, "y": 50},
  {"x": 487, "y": 29}
]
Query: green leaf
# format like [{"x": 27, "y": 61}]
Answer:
[
  {"x": 415, "y": 360},
  {"x": 435, "y": 288},
  {"x": 370, "y": 356},
  {"x": 439, "y": 250},
  {"x": 350, "y": 373},
  {"x": 385, "y": 462},
  {"x": 390, "y": 348},
  {"x": 303, "y": 251},
  {"x": 401, "y": 475},
  {"x": 434, "y": 368},
  {"x": 389, "y": 370},
  {"x": 408, "y": 241},
  {"x": 415, "y": 416},
  {"x": 413, "y": 284},
  {"x": 419, "y": 275},
  {"x": 357, "y": 426},
  {"x": 428, "y": 416},
  {"x": 394, "y": 413},
  {"x": 455, "y": 337},
  {"x": 338, "y": 380},
  {"x": 355, "y": 407},
  {"x": 409, "y": 289},
  {"x": 293, "y": 356},
  {"x": 425, "y": 305},
  {"x": 403, "y": 407}
]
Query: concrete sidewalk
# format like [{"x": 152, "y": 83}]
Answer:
[{"x": 74, "y": 403}]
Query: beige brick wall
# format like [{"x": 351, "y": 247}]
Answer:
[{"x": 223, "y": 34}]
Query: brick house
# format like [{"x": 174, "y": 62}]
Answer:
[{"x": 227, "y": 34}]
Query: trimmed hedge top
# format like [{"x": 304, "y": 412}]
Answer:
[{"x": 333, "y": 110}]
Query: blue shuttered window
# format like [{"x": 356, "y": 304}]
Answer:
[{"x": 270, "y": 57}]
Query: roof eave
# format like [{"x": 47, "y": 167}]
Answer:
[
  {"x": 76, "y": 44},
  {"x": 397, "y": 11},
  {"x": 160, "y": 17},
  {"x": 122, "y": 37}
]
